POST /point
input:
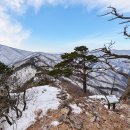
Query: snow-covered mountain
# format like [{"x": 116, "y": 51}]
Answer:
[
  {"x": 9, "y": 55},
  {"x": 12, "y": 56},
  {"x": 28, "y": 66},
  {"x": 48, "y": 106},
  {"x": 31, "y": 66}
]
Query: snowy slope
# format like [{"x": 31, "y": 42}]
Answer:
[
  {"x": 9, "y": 55},
  {"x": 39, "y": 59},
  {"x": 13, "y": 56},
  {"x": 27, "y": 63},
  {"x": 41, "y": 98},
  {"x": 104, "y": 80}
]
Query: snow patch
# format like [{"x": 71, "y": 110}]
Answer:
[
  {"x": 43, "y": 98},
  {"x": 76, "y": 109},
  {"x": 25, "y": 74},
  {"x": 55, "y": 123},
  {"x": 100, "y": 97}
]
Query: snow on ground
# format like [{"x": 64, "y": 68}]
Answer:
[
  {"x": 25, "y": 74},
  {"x": 75, "y": 109},
  {"x": 97, "y": 97},
  {"x": 55, "y": 123},
  {"x": 40, "y": 98}
]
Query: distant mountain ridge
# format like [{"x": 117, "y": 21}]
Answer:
[
  {"x": 31, "y": 67},
  {"x": 10, "y": 55}
]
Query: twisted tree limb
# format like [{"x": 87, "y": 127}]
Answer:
[{"x": 117, "y": 15}]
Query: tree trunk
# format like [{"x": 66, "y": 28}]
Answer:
[
  {"x": 84, "y": 84},
  {"x": 84, "y": 78},
  {"x": 113, "y": 85},
  {"x": 24, "y": 100},
  {"x": 7, "y": 119},
  {"x": 18, "y": 112}
]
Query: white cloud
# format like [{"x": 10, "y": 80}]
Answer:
[
  {"x": 36, "y": 4},
  {"x": 11, "y": 31},
  {"x": 122, "y": 5},
  {"x": 22, "y": 5},
  {"x": 15, "y": 5}
]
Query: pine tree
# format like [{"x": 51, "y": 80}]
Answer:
[
  {"x": 4, "y": 69},
  {"x": 77, "y": 63}
]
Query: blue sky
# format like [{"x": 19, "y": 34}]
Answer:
[{"x": 59, "y": 25}]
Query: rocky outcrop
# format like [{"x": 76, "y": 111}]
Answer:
[{"x": 93, "y": 116}]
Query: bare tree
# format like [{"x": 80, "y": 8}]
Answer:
[
  {"x": 108, "y": 54},
  {"x": 10, "y": 99},
  {"x": 124, "y": 19}
]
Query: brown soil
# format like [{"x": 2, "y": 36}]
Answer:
[{"x": 106, "y": 119}]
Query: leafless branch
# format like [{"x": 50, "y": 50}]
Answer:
[
  {"x": 117, "y": 15},
  {"x": 107, "y": 56}
]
